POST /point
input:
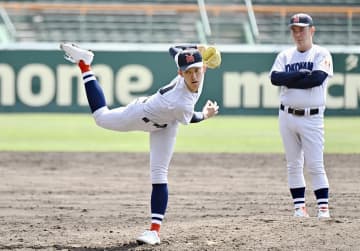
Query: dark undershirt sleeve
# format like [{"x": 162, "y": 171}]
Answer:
[
  {"x": 298, "y": 80},
  {"x": 197, "y": 117},
  {"x": 316, "y": 78},
  {"x": 283, "y": 78}
]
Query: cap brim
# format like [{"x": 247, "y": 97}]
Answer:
[
  {"x": 299, "y": 24},
  {"x": 198, "y": 65}
]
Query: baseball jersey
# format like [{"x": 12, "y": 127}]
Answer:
[
  {"x": 173, "y": 102},
  {"x": 291, "y": 60}
]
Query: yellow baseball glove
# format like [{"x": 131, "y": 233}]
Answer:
[{"x": 211, "y": 57}]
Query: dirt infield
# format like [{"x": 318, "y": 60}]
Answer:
[{"x": 100, "y": 201}]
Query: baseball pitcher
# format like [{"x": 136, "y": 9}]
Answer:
[{"x": 159, "y": 114}]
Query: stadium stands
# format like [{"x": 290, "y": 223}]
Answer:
[
  {"x": 174, "y": 21},
  {"x": 264, "y": 2},
  {"x": 307, "y": 2}
]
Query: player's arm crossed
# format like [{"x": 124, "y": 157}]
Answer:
[{"x": 303, "y": 79}]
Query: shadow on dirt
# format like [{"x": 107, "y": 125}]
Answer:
[{"x": 121, "y": 247}]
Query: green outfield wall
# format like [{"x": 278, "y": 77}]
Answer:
[{"x": 42, "y": 81}]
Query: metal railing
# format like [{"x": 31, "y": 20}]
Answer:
[
  {"x": 8, "y": 25},
  {"x": 281, "y": 12}
]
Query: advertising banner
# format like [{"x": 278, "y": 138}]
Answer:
[{"x": 42, "y": 81}]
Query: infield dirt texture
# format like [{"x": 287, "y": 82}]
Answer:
[{"x": 100, "y": 201}]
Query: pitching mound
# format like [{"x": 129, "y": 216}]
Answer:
[{"x": 100, "y": 201}]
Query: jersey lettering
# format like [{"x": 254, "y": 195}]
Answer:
[{"x": 299, "y": 65}]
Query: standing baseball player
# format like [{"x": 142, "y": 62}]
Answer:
[
  {"x": 158, "y": 114},
  {"x": 302, "y": 73}
]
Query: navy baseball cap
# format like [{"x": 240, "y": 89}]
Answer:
[
  {"x": 301, "y": 19},
  {"x": 188, "y": 58}
]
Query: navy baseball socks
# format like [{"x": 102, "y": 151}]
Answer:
[
  {"x": 83, "y": 58},
  {"x": 322, "y": 199},
  {"x": 94, "y": 93},
  {"x": 159, "y": 199},
  {"x": 298, "y": 195}
]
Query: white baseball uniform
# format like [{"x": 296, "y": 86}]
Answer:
[
  {"x": 303, "y": 136},
  {"x": 158, "y": 114}
]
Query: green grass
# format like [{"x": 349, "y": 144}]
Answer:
[{"x": 78, "y": 132}]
